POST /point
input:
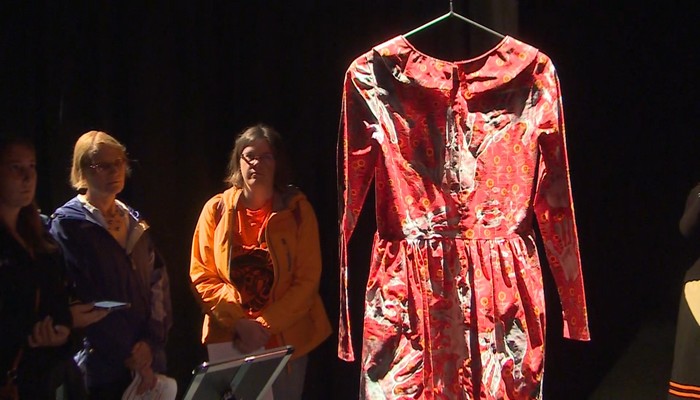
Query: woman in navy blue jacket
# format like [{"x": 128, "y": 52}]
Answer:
[{"x": 110, "y": 256}]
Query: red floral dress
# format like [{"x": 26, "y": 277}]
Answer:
[{"x": 464, "y": 156}]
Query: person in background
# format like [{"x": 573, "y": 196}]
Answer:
[
  {"x": 256, "y": 260},
  {"x": 110, "y": 256},
  {"x": 35, "y": 317},
  {"x": 685, "y": 374}
]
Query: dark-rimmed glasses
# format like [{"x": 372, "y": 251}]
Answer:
[{"x": 264, "y": 157}]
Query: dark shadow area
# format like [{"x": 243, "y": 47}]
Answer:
[{"x": 176, "y": 82}]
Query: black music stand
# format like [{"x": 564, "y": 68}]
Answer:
[{"x": 244, "y": 378}]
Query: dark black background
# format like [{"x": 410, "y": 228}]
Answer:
[{"x": 175, "y": 81}]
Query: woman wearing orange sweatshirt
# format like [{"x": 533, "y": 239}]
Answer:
[{"x": 256, "y": 260}]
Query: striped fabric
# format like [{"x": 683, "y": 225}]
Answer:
[{"x": 680, "y": 391}]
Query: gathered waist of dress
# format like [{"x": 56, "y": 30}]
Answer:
[{"x": 455, "y": 235}]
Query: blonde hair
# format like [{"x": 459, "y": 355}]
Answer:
[{"x": 85, "y": 148}]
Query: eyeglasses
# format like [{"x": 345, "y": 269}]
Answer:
[
  {"x": 102, "y": 167},
  {"x": 264, "y": 157}
]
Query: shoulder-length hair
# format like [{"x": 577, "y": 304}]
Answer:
[
  {"x": 85, "y": 148},
  {"x": 245, "y": 139},
  {"x": 29, "y": 224}
]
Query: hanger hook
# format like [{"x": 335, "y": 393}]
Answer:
[{"x": 451, "y": 9}]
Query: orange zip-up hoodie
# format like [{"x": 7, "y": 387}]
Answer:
[{"x": 295, "y": 315}]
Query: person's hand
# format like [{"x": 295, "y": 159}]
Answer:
[
  {"x": 46, "y": 334},
  {"x": 148, "y": 380},
  {"x": 249, "y": 335},
  {"x": 141, "y": 357},
  {"x": 85, "y": 314}
]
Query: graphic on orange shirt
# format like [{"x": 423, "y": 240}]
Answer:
[{"x": 252, "y": 274}]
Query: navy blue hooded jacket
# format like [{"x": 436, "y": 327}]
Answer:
[{"x": 101, "y": 269}]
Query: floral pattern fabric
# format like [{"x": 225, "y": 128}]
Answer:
[{"x": 464, "y": 156}]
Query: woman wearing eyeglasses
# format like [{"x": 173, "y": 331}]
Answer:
[
  {"x": 256, "y": 260},
  {"x": 110, "y": 256}
]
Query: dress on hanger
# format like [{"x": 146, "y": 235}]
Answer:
[{"x": 464, "y": 156}]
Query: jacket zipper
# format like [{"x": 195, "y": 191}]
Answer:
[{"x": 275, "y": 266}]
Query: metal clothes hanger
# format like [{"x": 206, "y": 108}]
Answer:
[{"x": 453, "y": 14}]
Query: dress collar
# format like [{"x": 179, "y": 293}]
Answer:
[{"x": 494, "y": 68}]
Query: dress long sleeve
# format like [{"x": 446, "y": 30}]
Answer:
[
  {"x": 553, "y": 202},
  {"x": 357, "y": 148}
]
